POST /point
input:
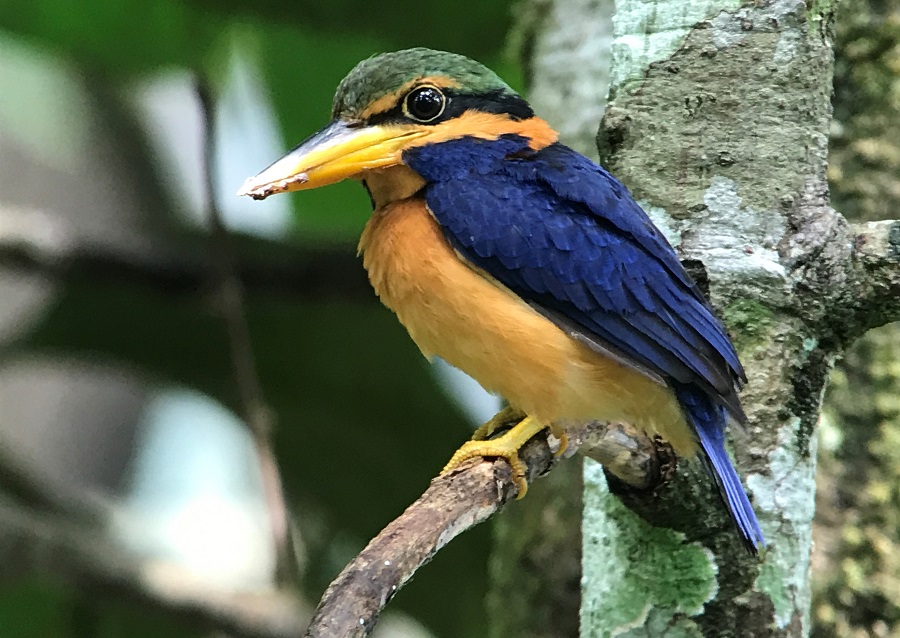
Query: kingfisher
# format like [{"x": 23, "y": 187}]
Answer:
[{"x": 523, "y": 263}]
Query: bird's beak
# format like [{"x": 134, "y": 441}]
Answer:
[{"x": 338, "y": 151}]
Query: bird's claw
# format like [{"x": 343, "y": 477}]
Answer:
[
  {"x": 506, "y": 446},
  {"x": 480, "y": 449}
]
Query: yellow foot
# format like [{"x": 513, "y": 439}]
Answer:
[
  {"x": 507, "y": 417},
  {"x": 506, "y": 446}
]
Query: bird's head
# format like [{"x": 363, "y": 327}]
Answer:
[{"x": 393, "y": 102}]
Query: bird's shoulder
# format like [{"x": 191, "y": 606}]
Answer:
[{"x": 555, "y": 182}]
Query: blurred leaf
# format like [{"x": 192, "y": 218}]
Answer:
[
  {"x": 115, "y": 36},
  {"x": 32, "y": 610}
]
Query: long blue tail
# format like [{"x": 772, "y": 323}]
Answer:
[{"x": 709, "y": 420}]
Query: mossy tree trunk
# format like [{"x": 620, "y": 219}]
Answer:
[{"x": 718, "y": 122}]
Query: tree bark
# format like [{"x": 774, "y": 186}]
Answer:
[{"x": 718, "y": 121}]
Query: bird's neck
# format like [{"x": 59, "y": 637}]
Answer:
[{"x": 392, "y": 184}]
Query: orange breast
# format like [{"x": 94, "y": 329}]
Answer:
[{"x": 452, "y": 310}]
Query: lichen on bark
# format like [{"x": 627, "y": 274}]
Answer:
[
  {"x": 724, "y": 138},
  {"x": 676, "y": 580}
]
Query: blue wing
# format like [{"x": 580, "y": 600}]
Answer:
[{"x": 567, "y": 237}]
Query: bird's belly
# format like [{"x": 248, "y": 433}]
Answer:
[{"x": 452, "y": 310}]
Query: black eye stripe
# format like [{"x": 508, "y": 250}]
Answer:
[{"x": 499, "y": 102}]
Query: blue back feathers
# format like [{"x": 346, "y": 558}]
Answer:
[{"x": 568, "y": 238}]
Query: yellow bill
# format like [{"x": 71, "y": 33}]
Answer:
[{"x": 340, "y": 150}]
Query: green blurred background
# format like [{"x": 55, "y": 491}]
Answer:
[{"x": 118, "y": 382}]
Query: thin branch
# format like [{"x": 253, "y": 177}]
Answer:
[
  {"x": 256, "y": 412},
  {"x": 629, "y": 455},
  {"x": 452, "y": 504},
  {"x": 230, "y": 291}
]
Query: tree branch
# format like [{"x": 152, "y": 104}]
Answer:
[
  {"x": 847, "y": 275},
  {"x": 454, "y": 503},
  {"x": 874, "y": 273},
  {"x": 257, "y": 415}
]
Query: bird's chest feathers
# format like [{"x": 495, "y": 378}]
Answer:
[
  {"x": 453, "y": 311},
  {"x": 417, "y": 274}
]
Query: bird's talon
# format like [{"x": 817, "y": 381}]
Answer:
[
  {"x": 482, "y": 449},
  {"x": 506, "y": 446},
  {"x": 519, "y": 474},
  {"x": 563, "y": 438}
]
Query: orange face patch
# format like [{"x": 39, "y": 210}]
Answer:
[{"x": 489, "y": 126}]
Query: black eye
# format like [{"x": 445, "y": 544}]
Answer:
[{"x": 424, "y": 104}]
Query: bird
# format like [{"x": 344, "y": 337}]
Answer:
[{"x": 523, "y": 263}]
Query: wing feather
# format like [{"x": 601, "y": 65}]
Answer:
[{"x": 564, "y": 235}]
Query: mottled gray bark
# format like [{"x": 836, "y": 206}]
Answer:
[{"x": 718, "y": 123}]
